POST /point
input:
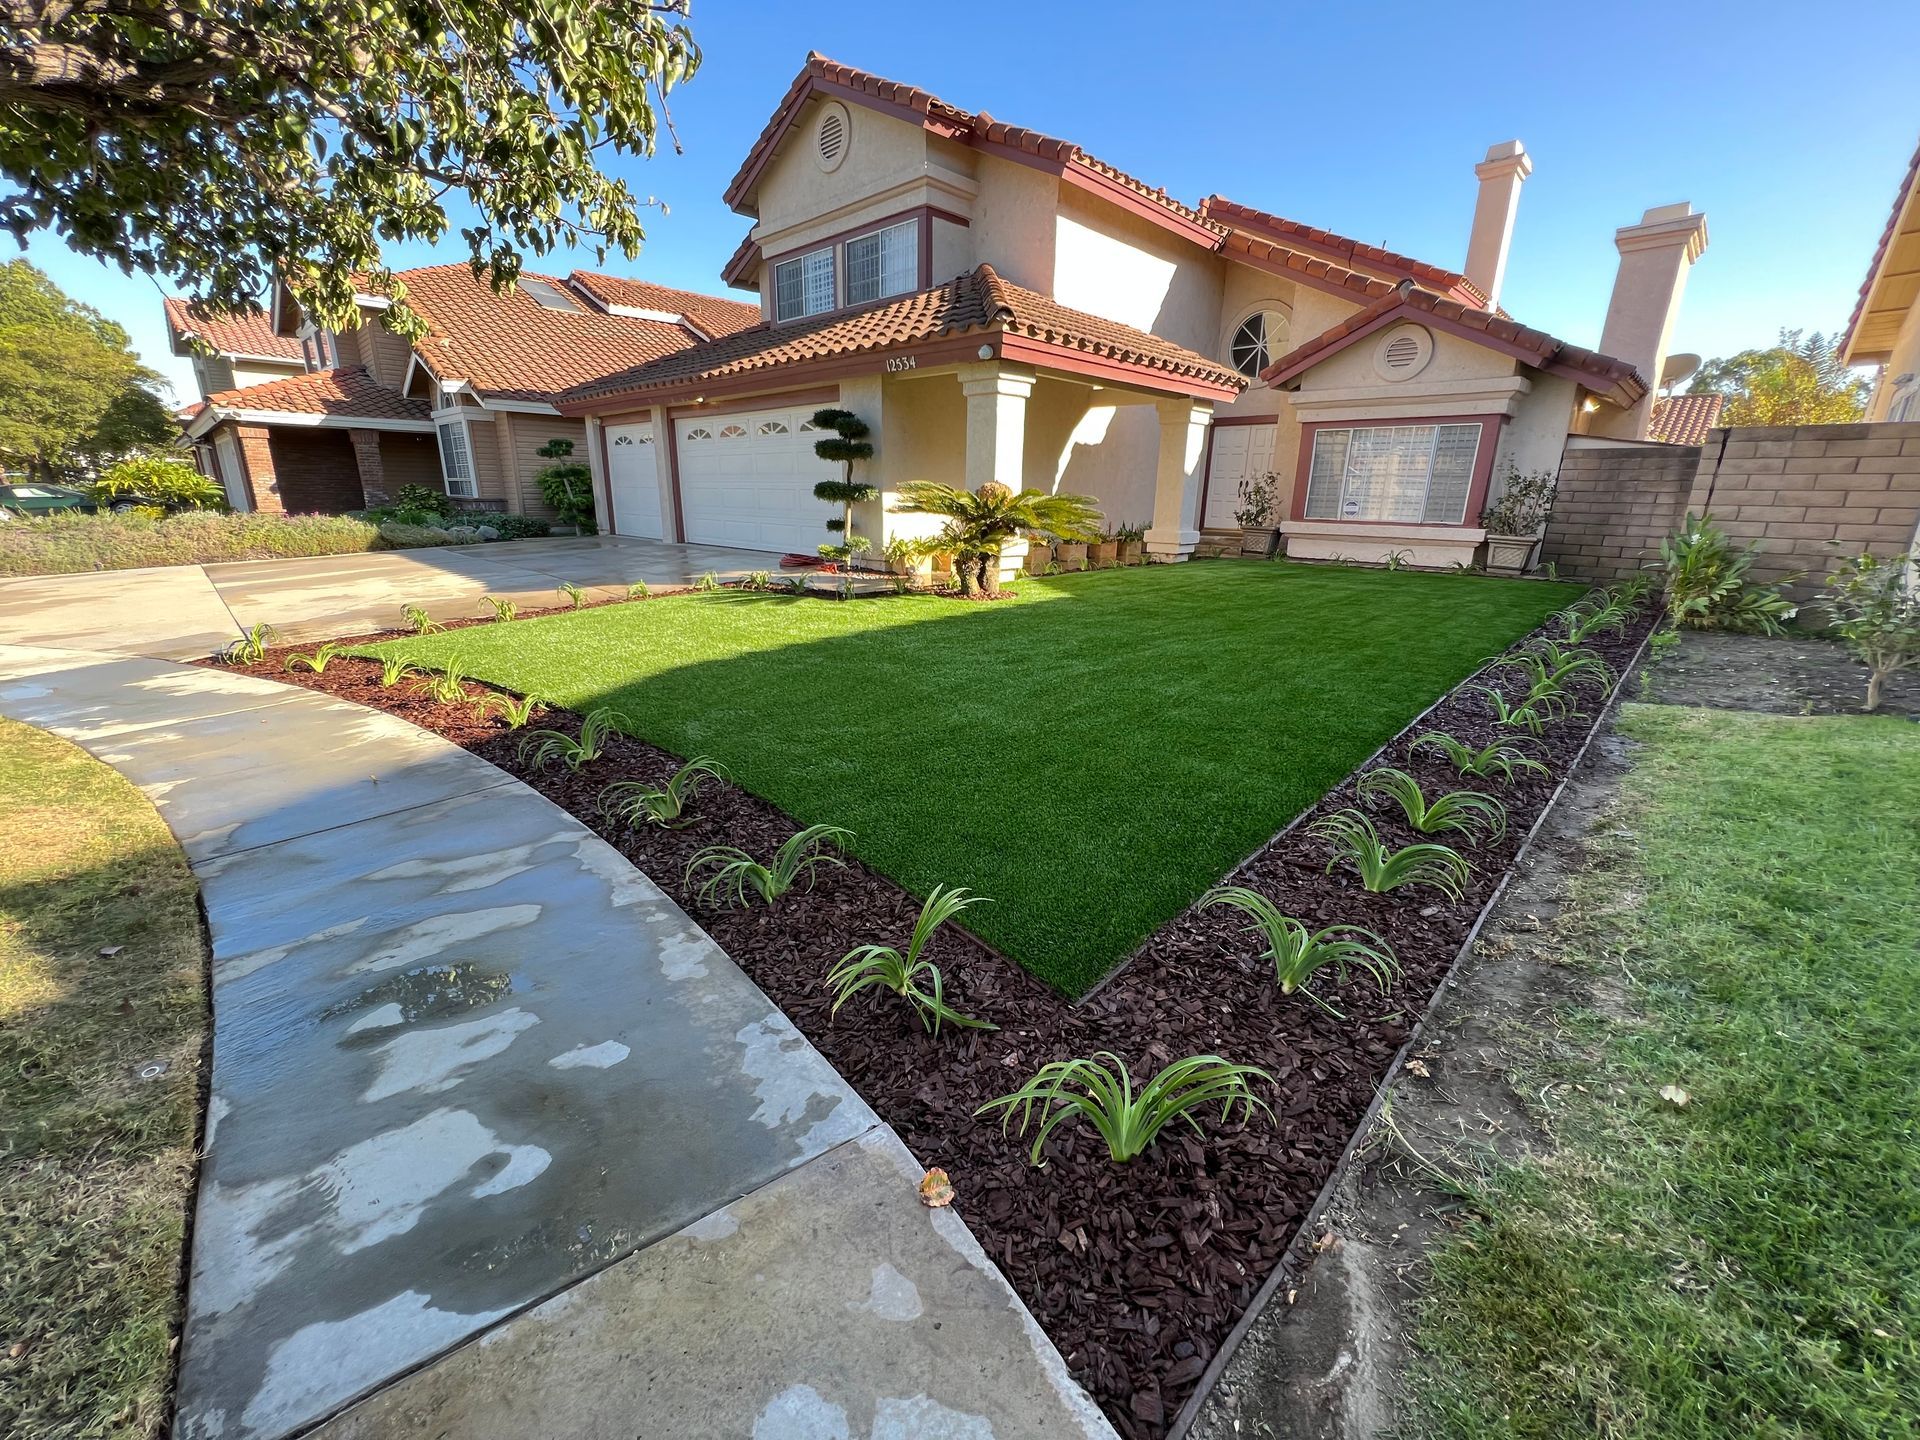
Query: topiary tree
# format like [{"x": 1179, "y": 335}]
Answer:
[
  {"x": 567, "y": 486},
  {"x": 845, "y": 445}
]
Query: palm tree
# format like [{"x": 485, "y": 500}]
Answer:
[{"x": 980, "y": 521}]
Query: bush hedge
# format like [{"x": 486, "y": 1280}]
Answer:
[
  {"x": 155, "y": 477},
  {"x": 71, "y": 542}
]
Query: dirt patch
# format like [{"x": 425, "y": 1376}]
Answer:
[
  {"x": 1137, "y": 1272},
  {"x": 1779, "y": 675}
]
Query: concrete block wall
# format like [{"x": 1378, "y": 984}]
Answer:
[{"x": 1614, "y": 505}]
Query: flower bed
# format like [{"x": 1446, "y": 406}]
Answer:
[{"x": 1137, "y": 1272}]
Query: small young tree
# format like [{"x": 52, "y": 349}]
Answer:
[
  {"x": 567, "y": 486},
  {"x": 843, "y": 447},
  {"x": 1876, "y": 610}
]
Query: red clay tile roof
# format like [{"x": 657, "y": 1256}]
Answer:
[
  {"x": 1610, "y": 379},
  {"x": 712, "y": 314},
  {"x": 348, "y": 393},
  {"x": 1684, "y": 419},
  {"x": 820, "y": 73},
  {"x": 230, "y": 334},
  {"x": 1353, "y": 254},
  {"x": 509, "y": 346},
  {"x": 738, "y": 270},
  {"x": 976, "y": 301},
  {"x": 1909, "y": 187}
]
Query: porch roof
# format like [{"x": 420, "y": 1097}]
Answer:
[
  {"x": 348, "y": 396},
  {"x": 974, "y": 311}
]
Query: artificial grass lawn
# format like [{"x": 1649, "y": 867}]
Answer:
[
  {"x": 1748, "y": 1264},
  {"x": 96, "y": 1165},
  {"x": 1091, "y": 754}
]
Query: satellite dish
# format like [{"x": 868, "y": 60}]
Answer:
[{"x": 1678, "y": 370}]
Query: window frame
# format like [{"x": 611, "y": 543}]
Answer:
[
  {"x": 1436, "y": 426},
  {"x": 448, "y": 480},
  {"x": 835, "y": 250},
  {"x": 798, "y": 264}
]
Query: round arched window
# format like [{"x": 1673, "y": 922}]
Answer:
[{"x": 1257, "y": 342}]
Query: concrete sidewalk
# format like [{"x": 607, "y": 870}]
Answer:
[
  {"x": 470, "y": 1065},
  {"x": 187, "y": 611}
]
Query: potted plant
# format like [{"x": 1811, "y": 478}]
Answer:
[
  {"x": 1071, "y": 554},
  {"x": 1105, "y": 550},
  {"x": 1133, "y": 544},
  {"x": 1039, "y": 554},
  {"x": 1517, "y": 522},
  {"x": 1258, "y": 495}
]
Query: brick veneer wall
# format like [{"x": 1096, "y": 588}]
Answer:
[
  {"x": 1613, "y": 506},
  {"x": 1792, "y": 490},
  {"x": 317, "y": 471}
]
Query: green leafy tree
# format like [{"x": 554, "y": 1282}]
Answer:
[
  {"x": 72, "y": 394},
  {"x": 1797, "y": 382},
  {"x": 980, "y": 521},
  {"x": 846, "y": 445},
  {"x": 223, "y": 141}
]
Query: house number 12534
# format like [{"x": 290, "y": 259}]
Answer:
[{"x": 897, "y": 363}]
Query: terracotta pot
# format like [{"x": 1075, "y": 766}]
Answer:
[
  {"x": 1512, "y": 554},
  {"x": 1258, "y": 539},
  {"x": 1039, "y": 556},
  {"x": 1071, "y": 555},
  {"x": 1132, "y": 551},
  {"x": 1104, "y": 553}
]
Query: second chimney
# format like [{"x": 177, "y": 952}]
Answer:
[
  {"x": 1501, "y": 175},
  {"x": 1655, "y": 256}
]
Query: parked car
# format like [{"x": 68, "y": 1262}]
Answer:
[{"x": 30, "y": 498}]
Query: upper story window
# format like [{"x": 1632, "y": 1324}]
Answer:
[
  {"x": 884, "y": 263},
  {"x": 804, "y": 285},
  {"x": 1257, "y": 342},
  {"x": 1409, "y": 474}
]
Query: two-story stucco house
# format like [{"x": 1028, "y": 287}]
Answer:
[
  {"x": 1885, "y": 327},
  {"x": 999, "y": 305},
  {"x": 349, "y": 417}
]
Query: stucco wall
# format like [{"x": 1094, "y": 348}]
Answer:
[
  {"x": 1904, "y": 360},
  {"x": 1532, "y": 441},
  {"x": 794, "y": 191},
  {"x": 1013, "y": 222}
]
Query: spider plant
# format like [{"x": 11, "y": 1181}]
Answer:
[
  {"x": 317, "y": 662},
  {"x": 516, "y": 710},
  {"x": 636, "y": 803},
  {"x": 447, "y": 686},
  {"x": 757, "y": 580},
  {"x": 707, "y": 582},
  {"x": 1100, "y": 1091},
  {"x": 1383, "y": 870},
  {"x": 575, "y": 595},
  {"x": 394, "y": 669},
  {"x": 1397, "y": 559},
  {"x": 911, "y": 976},
  {"x": 555, "y": 747},
  {"x": 420, "y": 621},
  {"x": 735, "y": 877},
  {"x": 638, "y": 590},
  {"x": 503, "y": 608},
  {"x": 1477, "y": 816},
  {"x": 1498, "y": 760},
  {"x": 1297, "y": 953},
  {"x": 253, "y": 648}
]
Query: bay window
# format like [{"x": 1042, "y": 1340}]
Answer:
[
  {"x": 1406, "y": 474},
  {"x": 456, "y": 459}
]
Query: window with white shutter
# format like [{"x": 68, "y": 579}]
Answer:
[
  {"x": 1405, "y": 474},
  {"x": 885, "y": 263}
]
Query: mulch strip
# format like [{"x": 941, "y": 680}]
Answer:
[{"x": 1139, "y": 1271}]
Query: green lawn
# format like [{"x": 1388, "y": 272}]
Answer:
[
  {"x": 1092, "y": 754},
  {"x": 1748, "y": 1265},
  {"x": 100, "y": 975}
]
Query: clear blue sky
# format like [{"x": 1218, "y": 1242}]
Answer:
[{"x": 1790, "y": 125}]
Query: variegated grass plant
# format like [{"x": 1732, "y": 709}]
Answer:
[
  {"x": 911, "y": 976},
  {"x": 1500, "y": 760},
  {"x": 542, "y": 748},
  {"x": 250, "y": 649},
  {"x": 419, "y": 621},
  {"x": 318, "y": 661},
  {"x": 1382, "y": 868},
  {"x": 1298, "y": 953},
  {"x": 636, "y": 803},
  {"x": 732, "y": 877},
  {"x": 1469, "y": 813}
]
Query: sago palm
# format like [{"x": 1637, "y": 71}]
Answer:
[{"x": 981, "y": 521}]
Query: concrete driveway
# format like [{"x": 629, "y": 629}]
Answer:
[{"x": 184, "y": 611}]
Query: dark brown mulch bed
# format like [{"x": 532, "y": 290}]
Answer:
[{"x": 1139, "y": 1271}]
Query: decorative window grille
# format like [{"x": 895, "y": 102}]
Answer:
[
  {"x": 885, "y": 263},
  {"x": 1405, "y": 474},
  {"x": 803, "y": 285}
]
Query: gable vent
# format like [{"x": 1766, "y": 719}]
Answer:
[
  {"x": 1402, "y": 352},
  {"x": 830, "y": 139}
]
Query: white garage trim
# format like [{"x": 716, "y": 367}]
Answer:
[{"x": 746, "y": 478}]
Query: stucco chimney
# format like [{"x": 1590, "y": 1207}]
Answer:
[
  {"x": 1655, "y": 256},
  {"x": 1501, "y": 174}
]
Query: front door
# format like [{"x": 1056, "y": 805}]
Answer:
[{"x": 1240, "y": 453}]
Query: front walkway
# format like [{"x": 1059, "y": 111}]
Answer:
[
  {"x": 185, "y": 611},
  {"x": 465, "y": 1057}
]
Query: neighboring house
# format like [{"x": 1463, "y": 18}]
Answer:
[
  {"x": 997, "y": 304},
  {"x": 465, "y": 409},
  {"x": 1885, "y": 328},
  {"x": 1685, "y": 419}
]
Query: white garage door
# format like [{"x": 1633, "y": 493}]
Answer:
[
  {"x": 1240, "y": 452},
  {"x": 747, "y": 480},
  {"x": 634, "y": 479}
]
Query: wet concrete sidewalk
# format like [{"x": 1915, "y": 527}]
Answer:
[
  {"x": 187, "y": 611},
  {"x": 465, "y": 1057}
]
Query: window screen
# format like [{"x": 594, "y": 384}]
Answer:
[
  {"x": 884, "y": 263},
  {"x": 803, "y": 286},
  {"x": 1410, "y": 474}
]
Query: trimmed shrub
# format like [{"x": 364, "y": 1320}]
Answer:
[
  {"x": 521, "y": 527},
  {"x": 155, "y": 477},
  {"x": 73, "y": 543},
  {"x": 424, "y": 500},
  {"x": 401, "y": 536}
]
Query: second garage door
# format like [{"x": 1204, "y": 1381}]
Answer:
[{"x": 747, "y": 481}]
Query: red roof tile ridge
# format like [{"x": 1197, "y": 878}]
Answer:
[{"x": 1233, "y": 215}]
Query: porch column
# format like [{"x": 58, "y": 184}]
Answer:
[
  {"x": 373, "y": 476},
  {"x": 997, "y": 439},
  {"x": 1176, "y": 481},
  {"x": 256, "y": 455}
]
